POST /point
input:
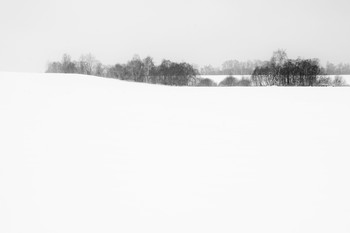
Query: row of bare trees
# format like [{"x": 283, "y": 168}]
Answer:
[
  {"x": 144, "y": 70},
  {"x": 298, "y": 72},
  {"x": 337, "y": 69},
  {"x": 137, "y": 69},
  {"x": 281, "y": 71},
  {"x": 232, "y": 67},
  {"x": 235, "y": 67},
  {"x": 87, "y": 64}
]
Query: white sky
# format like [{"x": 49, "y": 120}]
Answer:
[{"x": 196, "y": 31}]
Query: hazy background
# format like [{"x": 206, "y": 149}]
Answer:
[{"x": 197, "y": 31}]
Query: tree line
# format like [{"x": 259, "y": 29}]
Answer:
[
  {"x": 235, "y": 67},
  {"x": 338, "y": 69},
  {"x": 232, "y": 67},
  {"x": 279, "y": 71},
  {"x": 141, "y": 70},
  {"x": 137, "y": 69}
]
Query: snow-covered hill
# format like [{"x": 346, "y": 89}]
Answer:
[{"x": 93, "y": 155}]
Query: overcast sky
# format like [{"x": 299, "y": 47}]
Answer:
[{"x": 196, "y": 31}]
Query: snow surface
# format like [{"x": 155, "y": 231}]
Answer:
[{"x": 88, "y": 154}]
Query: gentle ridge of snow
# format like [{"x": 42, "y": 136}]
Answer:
[{"x": 88, "y": 154}]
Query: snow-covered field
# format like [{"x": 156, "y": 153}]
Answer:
[
  {"x": 94, "y": 155},
  {"x": 219, "y": 78}
]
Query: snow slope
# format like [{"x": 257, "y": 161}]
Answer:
[{"x": 87, "y": 154}]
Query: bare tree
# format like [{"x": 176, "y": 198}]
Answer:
[
  {"x": 323, "y": 80},
  {"x": 100, "y": 70},
  {"x": 279, "y": 57},
  {"x": 67, "y": 66},
  {"x": 87, "y": 64},
  {"x": 54, "y": 67},
  {"x": 339, "y": 81},
  {"x": 135, "y": 69},
  {"x": 149, "y": 68}
]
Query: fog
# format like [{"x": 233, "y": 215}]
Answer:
[{"x": 196, "y": 31}]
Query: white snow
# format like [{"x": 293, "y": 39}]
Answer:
[{"x": 88, "y": 154}]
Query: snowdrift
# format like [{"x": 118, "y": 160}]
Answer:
[{"x": 88, "y": 154}]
